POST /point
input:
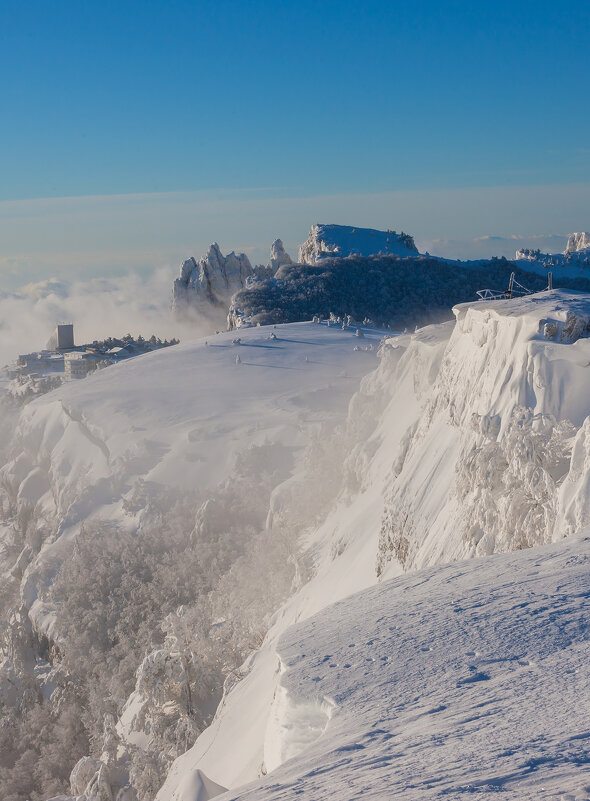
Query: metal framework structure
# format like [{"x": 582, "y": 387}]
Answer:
[{"x": 514, "y": 290}]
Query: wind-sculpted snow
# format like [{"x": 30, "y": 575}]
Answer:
[
  {"x": 471, "y": 679},
  {"x": 503, "y": 414}
]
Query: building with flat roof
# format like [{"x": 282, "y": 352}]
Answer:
[{"x": 62, "y": 338}]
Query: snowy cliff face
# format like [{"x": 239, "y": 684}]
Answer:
[
  {"x": 209, "y": 282},
  {"x": 504, "y": 412},
  {"x": 468, "y": 440},
  {"x": 327, "y": 241}
]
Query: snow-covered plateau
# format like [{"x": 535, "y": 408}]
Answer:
[
  {"x": 310, "y": 476},
  {"x": 328, "y": 241}
]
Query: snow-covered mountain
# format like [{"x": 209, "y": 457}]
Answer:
[
  {"x": 158, "y": 479},
  {"x": 278, "y": 256},
  {"x": 465, "y": 439},
  {"x": 209, "y": 282},
  {"x": 362, "y": 272},
  {"x": 396, "y": 292},
  {"x": 574, "y": 261},
  {"x": 469, "y": 439},
  {"x": 328, "y": 241}
]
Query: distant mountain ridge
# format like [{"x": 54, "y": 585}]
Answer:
[
  {"x": 574, "y": 260},
  {"x": 363, "y": 272}
]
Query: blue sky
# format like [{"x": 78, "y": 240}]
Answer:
[{"x": 297, "y": 99}]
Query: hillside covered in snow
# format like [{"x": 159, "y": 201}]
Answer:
[
  {"x": 462, "y": 680},
  {"x": 184, "y": 536}
]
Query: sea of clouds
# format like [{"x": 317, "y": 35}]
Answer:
[{"x": 99, "y": 307}]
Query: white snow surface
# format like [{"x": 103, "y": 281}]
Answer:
[
  {"x": 467, "y": 680},
  {"x": 175, "y": 418},
  {"x": 468, "y": 440},
  {"x": 326, "y": 241}
]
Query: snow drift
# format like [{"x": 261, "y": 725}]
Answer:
[{"x": 467, "y": 679}]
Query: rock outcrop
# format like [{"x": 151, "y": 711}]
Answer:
[
  {"x": 278, "y": 256},
  {"x": 577, "y": 242},
  {"x": 326, "y": 241},
  {"x": 211, "y": 281},
  {"x": 576, "y": 256}
]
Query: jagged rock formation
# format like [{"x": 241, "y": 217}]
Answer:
[
  {"x": 577, "y": 241},
  {"x": 327, "y": 241},
  {"x": 211, "y": 281},
  {"x": 278, "y": 255}
]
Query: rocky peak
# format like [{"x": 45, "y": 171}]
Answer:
[
  {"x": 577, "y": 241},
  {"x": 212, "y": 280},
  {"x": 278, "y": 255}
]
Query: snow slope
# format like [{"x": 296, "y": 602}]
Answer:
[
  {"x": 467, "y": 440},
  {"x": 466, "y": 680},
  {"x": 174, "y": 418}
]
